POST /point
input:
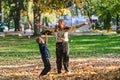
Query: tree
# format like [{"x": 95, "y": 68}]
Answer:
[
  {"x": 36, "y": 17},
  {"x": 106, "y": 10},
  {"x": 116, "y": 11},
  {"x": 15, "y": 7},
  {"x": 88, "y": 8},
  {"x": 0, "y": 10},
  {"x": 41, "y": 6}
]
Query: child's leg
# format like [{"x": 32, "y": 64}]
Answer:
[{"x": 47, "y": 67}]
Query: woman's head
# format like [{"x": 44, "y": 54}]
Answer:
[
  {"x": 39, "y": 40},
  {"x": 61, "y": 24}
]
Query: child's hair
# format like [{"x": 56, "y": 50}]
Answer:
[{"x": 38, "y": 39}]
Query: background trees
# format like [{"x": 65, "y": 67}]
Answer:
[
  {"x": 105, "y": 12},
  {"x": 13, "y": 8},
  {"x": 108, "y": 11},
  {"x": 0, "y": 10}
]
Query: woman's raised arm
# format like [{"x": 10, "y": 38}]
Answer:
[
  {"x": 78, "y": 26},
  {"x": 51, "y": 29}
]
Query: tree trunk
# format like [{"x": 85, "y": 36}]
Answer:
[
  {"x": 36, "y": 23},
  {"x": 17, "y": 16},
  {"x": 89, "y": 16},
  {"x": 16, "y": 20},
  {"x": 0, "y": 10},
  {"x": 117, "y": 20},
  {"x": 108, "y": 21}
]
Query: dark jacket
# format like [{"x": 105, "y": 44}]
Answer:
[{"x": 44, "y": 51}]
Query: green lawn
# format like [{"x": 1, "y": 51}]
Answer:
[{"x": 12, "y": 48}]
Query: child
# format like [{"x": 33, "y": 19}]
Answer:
[{"x": 45, "y": 55}]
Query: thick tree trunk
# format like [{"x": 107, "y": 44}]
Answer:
[
  {"x": 89, "y": 16},
  {"x": 36, "y": 18},
  {"x": 16, "y": 20},
  {"x": 117, "y": 20},
  {"x": 17, "y": 16},
  {"x": 36, "y": 23},
  {"x": 0, "y": 10},
  {"x": 108, "y": 22}
]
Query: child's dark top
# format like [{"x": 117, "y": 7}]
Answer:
[{"x": 44, "y": 51}]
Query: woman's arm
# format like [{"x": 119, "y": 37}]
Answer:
[
  {"x": 51, "y": 29},
  {"x": 78, "y": 26}
]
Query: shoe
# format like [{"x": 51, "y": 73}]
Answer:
[
  {"x": 40, "y": 76},
  {"x": 59, "y": 72},
  {"x": 68, "y": 72}
]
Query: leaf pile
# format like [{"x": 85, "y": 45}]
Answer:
[{"x": 81, "y": 69}]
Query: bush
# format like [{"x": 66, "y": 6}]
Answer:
[
  {"x": 118, "y": 31},
  {"x": 1, "y": 27}
]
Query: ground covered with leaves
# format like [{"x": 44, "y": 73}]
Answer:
[
  {"x": 81, "y": 69},
  {"x": 91, "y": 58}
]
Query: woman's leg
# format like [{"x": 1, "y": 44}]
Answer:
[
  {"x": 66, "y": 56},
  {"x": 58, "y": 57}
]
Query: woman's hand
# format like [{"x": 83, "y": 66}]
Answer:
[{"x": 86, "y": 23}]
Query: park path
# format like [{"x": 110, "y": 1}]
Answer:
[
  {"x": 81, "y": 69},
  {"x": 84, "y": 30}
]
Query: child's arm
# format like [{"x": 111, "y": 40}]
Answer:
[{"x": 46, "y": 39}]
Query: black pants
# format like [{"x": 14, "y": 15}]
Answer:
[
  {"x": 62, "y": 56},
  {"x": 47, "y": 67}
]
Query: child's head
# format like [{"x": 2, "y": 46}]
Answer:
[{"x": 39, "y": 40}]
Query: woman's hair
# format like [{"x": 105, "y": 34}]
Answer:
[
  {"x": 59, "y": 22},
  {"x": 38, "y": 39},
  {"x": 58, "y": 26}
]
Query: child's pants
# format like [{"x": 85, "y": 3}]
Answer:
[
  {"x": 62, "y": 55},
  {"x": 47, "y": 67}
]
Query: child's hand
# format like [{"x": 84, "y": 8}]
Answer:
[{"x": 46, "y": 36}]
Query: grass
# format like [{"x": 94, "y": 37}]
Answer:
[
  {"x": 95, "y": 46},
  {"x": 12, "y": 48}
]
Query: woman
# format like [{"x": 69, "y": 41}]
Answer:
[{"x": 62, "y": 46}]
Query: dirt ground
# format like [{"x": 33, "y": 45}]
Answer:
[{"x": 81, "y": 69}]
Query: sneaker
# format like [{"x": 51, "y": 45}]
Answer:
[
  {"x": 68, "y": 72},
  {"x": 40, "y": 77},
  {"x": 59, "y": 72}
]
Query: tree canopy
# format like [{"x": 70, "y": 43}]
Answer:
[{"x": 106, "y": 10}]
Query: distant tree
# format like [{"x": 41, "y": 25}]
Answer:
[
  {"x": 15, "y": 7},
  {"x": 116, "y": 11},
  {"x": 104, "y": 9},
  {"x": 41, "y": 6},
  {"x": 0, "y": 10},
  {"x": 36, "y": 11}
]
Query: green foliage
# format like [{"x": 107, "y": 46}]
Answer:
[
  {"x": 118, "y": 31},
  {"x": 104, "y": 9},
  {"x": 12, "y": 11}
]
